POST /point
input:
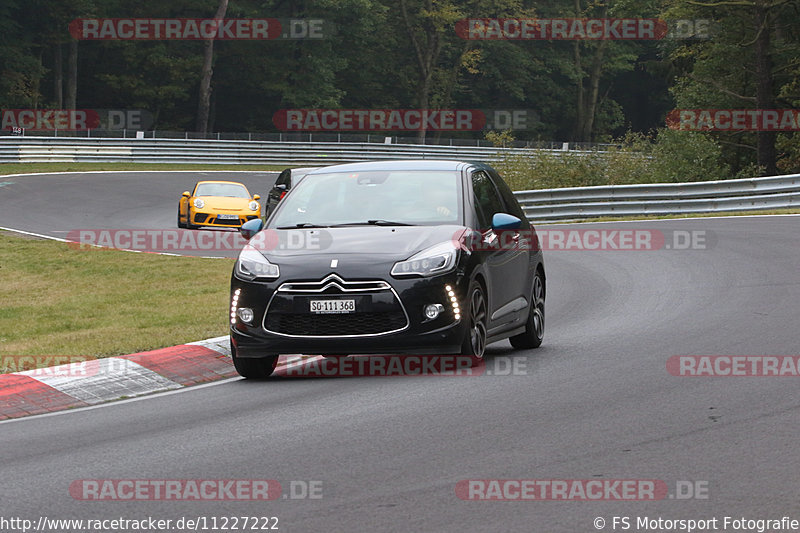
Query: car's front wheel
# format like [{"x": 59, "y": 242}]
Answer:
[
  {"x": 254, "y": 368},
  {"x": 534, "y": 327},
  {"x": 474, "y": 343},
  {"x": 180, "y": 224}
]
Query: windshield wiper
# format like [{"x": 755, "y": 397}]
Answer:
[
  {"x": 376, "y": 222},
  {"x": 303, "y": 225}
]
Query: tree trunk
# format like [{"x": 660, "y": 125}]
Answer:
[
  {"x": 58, "y": 76},
  {"x": 452, "y": 80},
  {"x": 72, "y": 75},
  {"x": 423, "y": 96},
  {"x": 427, "y": 56},
  {"x": 765, "y": 140},
  {"x": 588, "y": 97},
  {"x": 580, "y": 101},
  {"x": 204, "y": 101},
  {"x": 594, "y": 93},
  {"x": 580, "y": 98}
]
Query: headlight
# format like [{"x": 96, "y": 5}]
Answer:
[
  {"x": 253, "y": 206},
  {"x": 198, "y": 203},
  {"x": 435, "y": 260},
  {"x": 252, "y": 265}
]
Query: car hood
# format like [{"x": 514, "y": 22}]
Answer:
[
  {"x": 388, "y": 242},
  {"x": 225, "y": 203}
]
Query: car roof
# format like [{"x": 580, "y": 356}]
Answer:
[
  {"x": 221, "y": 181},
  {"x": 409, "y": 164},
  {"x": 303, "y": 170}
]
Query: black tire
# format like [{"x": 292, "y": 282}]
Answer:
[
  {"x": 189, "y": 224},
  {"x": 534, "y": 326},
  {"x": 180, "y": 224},
  {"x": 474, "y": 343},
  {"x": 255, "y": 368}
]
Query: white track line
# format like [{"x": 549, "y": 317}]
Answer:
[
  {"x": 118, "y": 402},
  {"x": 59, "y": 239},
  {"x": 134, "y": 171}
]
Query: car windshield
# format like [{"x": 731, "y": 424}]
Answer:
[
  {"x": 231, "y": 190},
  {"x": 374, "y": 197}
]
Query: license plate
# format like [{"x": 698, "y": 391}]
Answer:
[
  {"x": 333, "y": 306},
  {"x": 227, "y": 217}
]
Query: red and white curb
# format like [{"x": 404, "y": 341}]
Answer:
[{"x": 39, "y": 391}]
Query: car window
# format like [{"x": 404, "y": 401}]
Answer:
[
  {"x": 409, "y": 197},
  {"x": 487, "y": 199},
  {"x": 511, "y": 204},
  {"x": 230, "y": 190},
  {"x": 284, "y": 178}
]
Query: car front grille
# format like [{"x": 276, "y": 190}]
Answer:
[
  {"x": 378, "y": 309},
  {"x": 335, "y": 325}
]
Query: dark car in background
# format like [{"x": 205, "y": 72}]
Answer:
[
  {"x": 283, "y": 184},
  {"x": 399, "y": 257}
]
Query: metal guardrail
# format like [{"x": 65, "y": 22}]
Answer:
[
  {"x": 59, "y": 150},
  {"x": 576, "y": 203},
  {"x": 319, "y": 137}
]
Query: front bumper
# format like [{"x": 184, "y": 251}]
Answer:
[
  {"x": 211, "y": 218},
  {"x": 386, "y": 321}
]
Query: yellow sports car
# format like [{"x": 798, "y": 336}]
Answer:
[{"x": 217, "y": 203}]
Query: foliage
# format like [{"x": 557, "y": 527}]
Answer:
[{"x": 668, "y": 156}]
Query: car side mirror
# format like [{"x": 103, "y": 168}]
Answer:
[
  {"x": 256, "y": 197},
  {"x": 504, "y": 221},
  {"x": 281, "y": 186},
  {"x": 186, "y": 194},
  {"x": 251, "y": 227}
]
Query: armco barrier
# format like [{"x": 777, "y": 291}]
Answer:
[
  {"x": 575, "y": 203},
  {"x": 105, "y": 150}
]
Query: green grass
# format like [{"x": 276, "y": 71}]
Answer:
[
  {"x": 60, "y": 300},
  {"x": 33, "y": 168}
]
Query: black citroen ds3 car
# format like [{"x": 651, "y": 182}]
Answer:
[{"x": 396, "y": 257}]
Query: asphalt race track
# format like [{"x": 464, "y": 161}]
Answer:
[
  {"x": 60, "y": 205},
  {"x": 595, "y": 402}
]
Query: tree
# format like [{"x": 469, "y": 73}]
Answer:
[
  {"x": 747, "y": 63},
  {"x": 207, "y": 72},
  {"x": 438, "y": 52}
]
